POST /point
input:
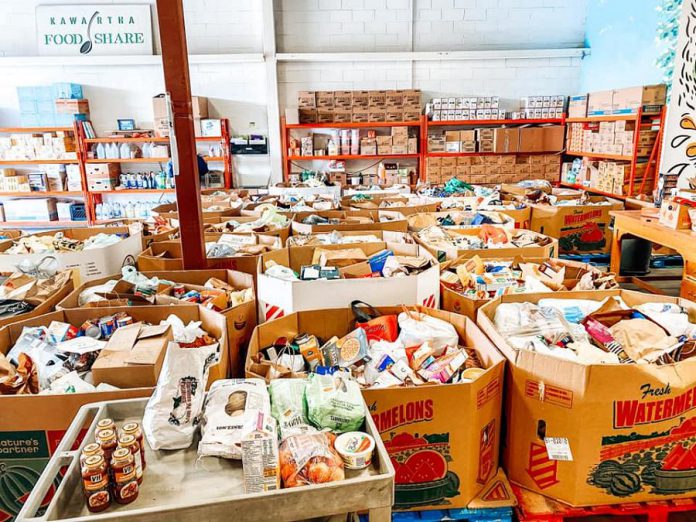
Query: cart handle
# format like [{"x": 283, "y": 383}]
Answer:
[{"x": 61, "y": 457}]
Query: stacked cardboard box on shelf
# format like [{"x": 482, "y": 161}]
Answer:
[
  {"x": 543, "y": 106},
  {"x": 503, "y": 140},
  {"x": 649, "y": 98},
  {"x": 56, "y": 145},
  {"x": 612, "y": 177},
  {"x": 102, "y": 176},
  {"x": 610, "y": 137},
  {"x": 493, "y": 169},
  {"x": 359, "y": 106},
  {"x": 465, "y": 108},
  {"x": 199, "y": 107}
]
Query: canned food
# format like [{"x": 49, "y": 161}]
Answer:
[
  {"x": 178, "y": 291},
  {"x": 124, "y": 321},
  {"x": 107, "y": 325},
  {"x": 90, "y": 328}
]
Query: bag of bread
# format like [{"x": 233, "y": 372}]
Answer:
[{"x": 231, "y": 411}]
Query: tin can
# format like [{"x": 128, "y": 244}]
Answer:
[
  {"x": 91, "y": 329},
  {"x": 178, "y": 291},
  {"x": 124, "y": 321},
  {"x": 107, "y": 325}
]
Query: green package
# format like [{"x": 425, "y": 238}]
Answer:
[
  {"x": 288, "y": 406},
  {"x": 334, "y": 402}
]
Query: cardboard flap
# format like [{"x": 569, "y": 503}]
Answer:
[
  {"x": 123, "y": 339},
  {"x": 152, "y": 331},
  {"x": 146, "y": 351}
]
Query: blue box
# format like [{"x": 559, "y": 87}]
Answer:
[
  {"x": 46, "y": 107},
  {"x": 30, "y": 120},
  {"x": 28, "y": 106},
  {"x": 67, "y": 90},
  {"x": 47, "y": 120},
  {"x": 26, "y": 94},
  {"x": 44, "y": 93}
]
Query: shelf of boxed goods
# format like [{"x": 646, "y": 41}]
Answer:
[
  {"x": 351, "y": 157},
  {"x": 427, "y": 124},
  {"x": 648, "y": 120},
  {"x": 94, "y": 197},
  {"x": 287, "y": 127},
  {"x": 464, "y": 154},
  {"x": 36, "y": 161},
  {"x": 47, "y": 193},
  {"x": 478, "y": 123}
]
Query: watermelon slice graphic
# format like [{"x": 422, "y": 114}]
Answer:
[{"x": 425, "y": 466}]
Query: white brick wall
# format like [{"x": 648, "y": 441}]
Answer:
[{"x": 439, "y": 25}]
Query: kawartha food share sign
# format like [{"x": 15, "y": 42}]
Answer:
[{"x": 97, "y": 29}]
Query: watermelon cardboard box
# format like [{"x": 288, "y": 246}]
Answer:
[
  {"x": 442, "y": 439},
  {"x": 579, "y": 228},
  {"x": 601, "y": 433}
]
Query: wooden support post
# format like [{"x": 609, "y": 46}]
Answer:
[{"x": 170, "y": 17}]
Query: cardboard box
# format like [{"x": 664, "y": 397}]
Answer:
[
  {"x": 506, "y": 140},
  {"x": 577, "y": 106},
  {"x": 673, "y": 215},
  {"x": 325, "y": 99},
  {"x": 360, "y": 116},
  {"x": 277, "y": 297},
  {"x": 377, "y": 100},
  {"x": 71, "y": 106},
  {"x": 360, "y": 99},
  {"x": 455, "y": 425},
  {"x": 553, "y": 138},
  {"x": 465, "y": 305},
  {"x": 308, "y": 115},
  {"x": 30, "y": 209},
  {"x": 532, "y": 139},
  {"x": 306, "y": 100},
  {"x": 129, "y": 360},
  {"x": 167, "y": 256},
  {"x": 199, "y": 107},
  {"x": 579, "y": 228},
  {"x": 443, "y": 253},
  {"x": 649, "y": 97},
  {"x": 351, "y": 220},
  {"x": 600, "y": 103},
  {"x": 103, "y": 170},
  {"x": 241, "y": 320},
  {"x": 90, "y": 264},
  {"x": 626, "y": 415}
]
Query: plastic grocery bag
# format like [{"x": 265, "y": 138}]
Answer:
[
  {"x": 309, "y": 458},
  {"x": 334, "y": 402},
  {"x": 231, "y": 410},
  {"x": 288, "y": 406},
  {"x": 418, "y": 328},
  {"x": 173, "y": 412}
]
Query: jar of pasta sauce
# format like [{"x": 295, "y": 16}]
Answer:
[
  {"x": 88, "y": 451},
  {"x": 133, "y": 428},
  {"x": 125, "y": 482},
  {"x": 107, "y": 441},
  {"x": 95, "y": 483},
  {"x": 128, "y": 441}
]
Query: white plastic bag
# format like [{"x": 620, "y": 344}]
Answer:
[
  {"x": 173, "y": 412},
  {"x": 231, "y": 410},
  {"x": 417, "y": 328}
]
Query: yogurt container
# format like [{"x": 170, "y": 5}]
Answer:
[{"x": 355, "y": 448}]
